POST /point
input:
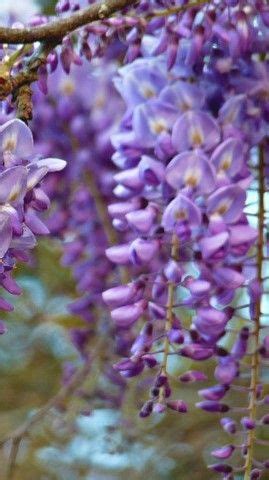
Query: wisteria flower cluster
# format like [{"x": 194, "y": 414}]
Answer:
[
  {"x": 22, "y": 199},
  {"x": 182, "y": 192},
  {"x": 80, "y": 133}
]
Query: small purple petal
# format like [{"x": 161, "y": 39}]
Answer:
[
  {"x": 217, "y": 392},
  {"x": 229, "y": 425},
  {"x": 227, "y": 202},
  {"x": 213, "y": 407},
  {"x": 119, "y": 254},
  {"x": 224, "y": 452},
  {"x": 151, "y": 171},
  {"x": 178, "y": 406},
  {"x": 195, "y": 130},
  {"x": 16, "y": 138},
  {"x": 127, "y": 315},
  {"x": 248, "y": 423},
  {"x": 178, "y": 210},
  {"x": 229, "y": 157},
  {"x": 191, "y": 169}
]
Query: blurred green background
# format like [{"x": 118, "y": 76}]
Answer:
[{"x": 67, "y": 444}]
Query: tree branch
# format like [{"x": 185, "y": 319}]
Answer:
[{"x": 57, "y": 29}]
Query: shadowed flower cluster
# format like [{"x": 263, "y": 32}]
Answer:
[{"x": 21, "y": 199}]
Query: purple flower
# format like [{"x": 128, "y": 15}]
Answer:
[
  {"x": 181, "y": 210},
  {"x": 177, "y": 405},
  {"x": 195, "y": 130},
  {"x": 152, "y": 119},
  {"x": 223, "y": 452},
  {"x": 217, "y": 392},
  {"x": 227, "y": 203},
  {"x": 213, "y": 406},
  {"x": 192, "y": 170},
  {"x": 228, "y": 157},
  {"x": 127, "y": 315},
  {"x": 229, "y": 425},
  {"x": 248, "y": 423},
  {"x": 16, "y": 141}
]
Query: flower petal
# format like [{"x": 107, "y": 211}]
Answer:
[
  {"x": 193, "y": 170},
  {"x": 195, "y": 130}
]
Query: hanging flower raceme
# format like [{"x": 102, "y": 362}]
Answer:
[
  {"x": 182, "y": 193},
  {"x": 21, "y": 199},
  {"x": 80, "y": 132}
]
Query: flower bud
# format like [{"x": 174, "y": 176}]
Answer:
[
  {"x": 3, "y": 328},
  {"x": 173, "y": 271},
  {"x": 178, "y": 406},
  {"x": 118, "y": 296},
  {"x": 146, "y": 410},
  {"x": 119, "y": 254},
  {"x": 248, "y": 423},
  {"x": 150, "y": 361},
  {"x": 226, "y": 371},
  {"x": 196, "y": 352},
  {"x": 256, "y": 473},
  {"x": 142, "y": 251},
  {"x": 224, "y": 452},
  {"x": 265, "y": 420},
  {"x": 192, "y": 376},
  {"x": 141, "y": 220},
  {"x": 229, "y": 425},
  {"x": 127, "y": 315},
  {"x": 151, "y": 171},
  {"x": 161, "y": 380},
  {"x": 213, "y": 407},
  {"x": 176, "y": 335},
  {"x": 264, "y": 350},
  {"x": 221, "y": 468},
  {"x": 159, "y": 408},
  {"x": 214, "y": 393}
]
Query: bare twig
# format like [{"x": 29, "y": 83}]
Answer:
[
  {"x": 57, "y": 29},
  {"x": 15, "y": 445}
]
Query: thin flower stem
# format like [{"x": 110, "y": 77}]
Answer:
[
  {"x": 176, "y": 10},
  {"x": 17, "y": 55},
  {"x": 169, "y": 311},
  {"x": 255, "y": 363},
  {"x": 101, "y": 208},
  {"x": 103, "y": 216},
  {"x": 265, "y": 443}
]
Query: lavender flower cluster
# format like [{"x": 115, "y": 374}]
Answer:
[
  {"x": 77, "y": 127},
  {"x": 188, "y": 150},
  {"x": 238, "y": 28},
  {"x": 22, "y": 199}
]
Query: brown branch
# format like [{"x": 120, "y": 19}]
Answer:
[
  {"x": 57, "y": 29},
  {"x": 255, "y": 359}
]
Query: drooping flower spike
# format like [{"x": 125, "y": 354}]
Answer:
[
  {"x": 21, "y": 174},
  {"x": 188, "y": 213}
]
